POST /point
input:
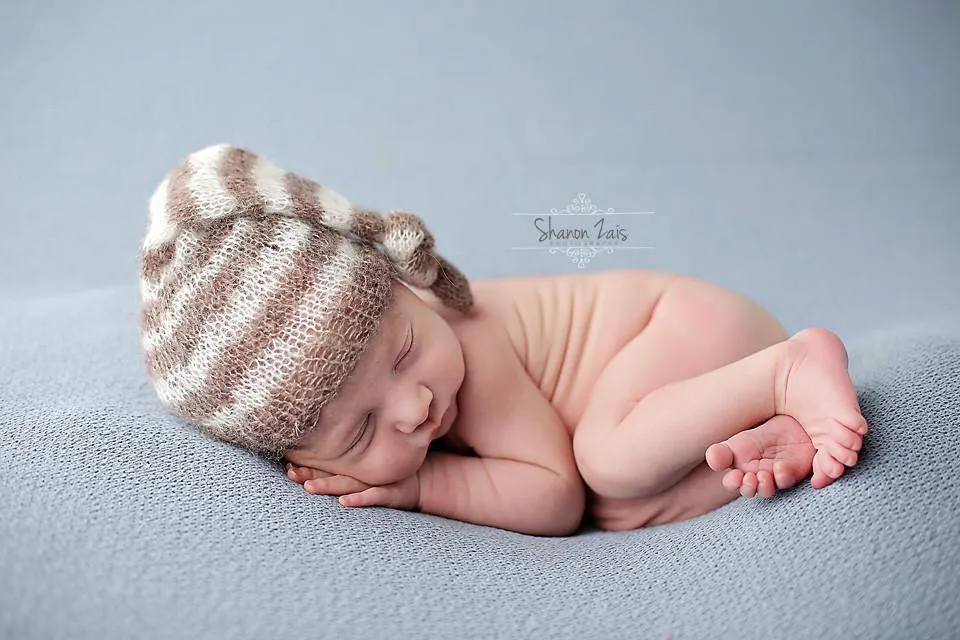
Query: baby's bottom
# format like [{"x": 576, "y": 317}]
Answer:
[{"x": 713, "y": 381}]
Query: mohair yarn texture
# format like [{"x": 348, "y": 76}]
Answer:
[
  {"x": 108, "y": 535},
  {"x": 260, "y": 289}
]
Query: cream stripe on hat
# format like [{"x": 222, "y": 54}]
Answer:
[
  {"x": 186, "y": 295},
  {"x": 258, "y": 283},
  {"x": 262, "y": 378}
]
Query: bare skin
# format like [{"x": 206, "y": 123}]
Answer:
[{"x": 632, "y": 397}]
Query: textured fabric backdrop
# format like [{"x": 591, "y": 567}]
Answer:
[{"x": 117, "y": 521}]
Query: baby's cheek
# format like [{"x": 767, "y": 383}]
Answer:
[{"x": 388, "y": 465}]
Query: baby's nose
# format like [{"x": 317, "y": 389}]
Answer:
[
  {"x": 411, "y": 407},
  {"x": 410, "y": 423}
]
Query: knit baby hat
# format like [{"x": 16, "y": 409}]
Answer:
[{"x": 260, "y": 289}]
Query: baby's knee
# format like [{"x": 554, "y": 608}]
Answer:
[{"x": 610, "y": 471}]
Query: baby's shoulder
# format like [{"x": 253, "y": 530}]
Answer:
[{"x": 498, "y": 325}]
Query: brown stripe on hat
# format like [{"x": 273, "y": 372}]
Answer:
[
  {"x": 212, "y": 297},
  {"x": 452, "y": 286},
  {"x": 274, "y": 317},
  {"x": 152, "y": 261},
  {"x": 303, "y": 197},
  {"x": 194, "y": 252},
  {"x": 368, "y": 225},
  {"x": 421, "y": 269},
  {"x": 236, "y": 176},
  {"x": 181, "y": 205},
  {"x": 320, "y": 370},
  {"x": 305, "y": 194}
]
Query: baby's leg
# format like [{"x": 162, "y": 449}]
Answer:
[
  {"x": 777, "y": 454},
  {"x": 709, "y": 365},
  {"x": 698, "y": 492}
]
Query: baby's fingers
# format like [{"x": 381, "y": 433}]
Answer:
[
  {"x": 335, "y": 485},
  {"x": 372, "y": 497},
  {"x": 302, "y": 474}
]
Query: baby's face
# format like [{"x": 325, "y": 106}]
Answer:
[{"x": 400, "y": 397}]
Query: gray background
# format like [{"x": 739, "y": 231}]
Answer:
[{"x": 804, "y": 153}]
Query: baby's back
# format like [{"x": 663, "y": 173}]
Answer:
[{"x": 566, "y": 328}]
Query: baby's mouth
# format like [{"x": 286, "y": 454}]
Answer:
[
  {"x": 427, "y": 427},
  {"x": 432, "y": 426},
  {"x": 439, "y": 423}
]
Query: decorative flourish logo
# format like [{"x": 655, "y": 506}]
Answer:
[{"x": 581, "y": 230}]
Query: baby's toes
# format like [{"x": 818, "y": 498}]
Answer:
[
  {"x": 860, "y": 425},
  {"x": 733, "y": 479},
  {"x": 749, "y": 487},
  {"x": 831, "y": 466},
  {"x": 819, "y": 479},
  {"x": 848, "y": 439},
  {"x": 719, "y": 456},
  {"x": 827, "y": 431},
  {"x": 766, "y": 488},
  {"x": 825, "y": 469},
  {"x": 788, "y": 473},
  {"x": 843, "y": 455}
]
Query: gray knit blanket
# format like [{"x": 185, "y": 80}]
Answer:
[{"x": 118, "y": 521}]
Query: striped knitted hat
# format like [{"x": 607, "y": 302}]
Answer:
[{"x": 260, "y": 290}]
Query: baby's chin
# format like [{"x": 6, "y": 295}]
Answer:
[{"x": 411, "y": 462}]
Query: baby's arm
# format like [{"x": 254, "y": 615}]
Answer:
[
  {"x": 525, "y": 478},
  {"x": 500, "y": 492}
]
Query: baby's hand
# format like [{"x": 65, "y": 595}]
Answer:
[{"x": 404, "y": 494}]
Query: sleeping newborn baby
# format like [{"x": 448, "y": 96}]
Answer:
[{"x": 280, "y": 317}]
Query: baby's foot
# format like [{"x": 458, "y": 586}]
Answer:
[
  {"x": 775, "y": 455},
  {"x": 815, "y": 388}
]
